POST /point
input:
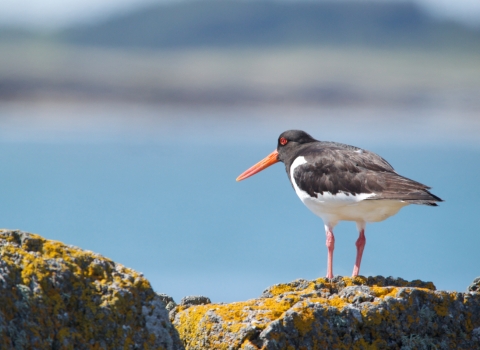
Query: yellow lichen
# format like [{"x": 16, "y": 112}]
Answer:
[
  {"x": 289, "y": 287},
  {"x": 198, "y": 330},
  {"x": 441, "y": 307},
  {"x": 30, "y": 258},
  {"x": 382, "y": 292},
  {"x": 303, "y": 320},
  {"x": 193, "y": 322},
  {"x": 354, "y": 281},
  {"x": 337, "y": 302}
]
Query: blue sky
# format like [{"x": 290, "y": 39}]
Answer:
[{"x": 57, "y": 13}]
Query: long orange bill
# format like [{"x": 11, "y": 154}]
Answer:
[{"x": 271, "y": 159}]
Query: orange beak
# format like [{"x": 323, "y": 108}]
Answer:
[{"x": 271, "y": 159}]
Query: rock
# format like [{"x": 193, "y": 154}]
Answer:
[
  {"x": 55, "y": 296},
  {"x": 195, "y": 300},
  {"x": 168, "y": 301},
  {"x": 345, "y": 313},
  {"x": 475, "y": 286}
]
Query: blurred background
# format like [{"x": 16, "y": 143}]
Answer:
[{"x": 123, "y": 125}]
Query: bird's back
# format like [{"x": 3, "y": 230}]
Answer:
[{"x": 338, "y": 169}]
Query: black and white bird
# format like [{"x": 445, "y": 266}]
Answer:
[{"x": 342, "y": 182}]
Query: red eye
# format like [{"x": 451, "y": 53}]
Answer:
[{"x": 283, "y": 141}]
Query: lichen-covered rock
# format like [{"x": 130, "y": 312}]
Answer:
[
  {"x": 475, "y": 286},
  {"x": 345, "y": 313},
  {"x": 54, "y": 296},
  {"x": 195, "y": 300},
  {"x": 168, "y": 301}
]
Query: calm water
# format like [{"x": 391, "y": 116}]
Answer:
[{"x": 156, "y": 192}]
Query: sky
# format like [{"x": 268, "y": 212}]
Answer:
[{"x": 51, "y": 14}]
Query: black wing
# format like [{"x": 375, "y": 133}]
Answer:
[{"x": 354, "y": 171}]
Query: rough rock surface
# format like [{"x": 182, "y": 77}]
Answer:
[
  {"x": 54, "y": 296},
  {"x": 345, "y": 313},
  {"x": 475, "y": 286}
]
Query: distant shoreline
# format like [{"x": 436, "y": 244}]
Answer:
[{"x": 235, "y": 77}]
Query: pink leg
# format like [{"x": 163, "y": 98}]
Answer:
[
  {"x": 360, "y": 246},
  {"x": 330, "y": 247}
]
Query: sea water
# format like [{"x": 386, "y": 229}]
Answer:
[{"x": 154, "y": 188}]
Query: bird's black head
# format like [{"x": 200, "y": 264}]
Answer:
[{"x": 289, "y": 142}]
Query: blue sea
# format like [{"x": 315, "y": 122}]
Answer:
[{"x": 154, "y": 188}]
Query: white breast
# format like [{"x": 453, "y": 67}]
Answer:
[{"x": 343, "y": 206}]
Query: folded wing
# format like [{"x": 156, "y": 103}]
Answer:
[{"x": 337, "y": 168}]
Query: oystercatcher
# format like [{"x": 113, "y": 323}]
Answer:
[{"x": 342, "y": 182}]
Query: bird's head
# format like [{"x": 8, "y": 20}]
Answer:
[{"x": 288, "y": 142}]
